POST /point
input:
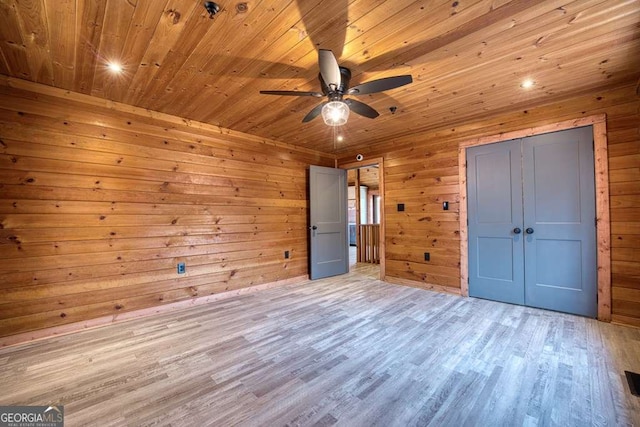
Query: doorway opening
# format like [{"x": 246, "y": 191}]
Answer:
[{"x": 365, "y": 214}]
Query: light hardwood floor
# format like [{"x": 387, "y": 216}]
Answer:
[{"x": 350, "y": 351}]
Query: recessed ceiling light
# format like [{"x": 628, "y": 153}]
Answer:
[
  {"x": 527, "y": 84},
  {"x": 340, "y": 138},
  {"x": 115, "y": 67}
]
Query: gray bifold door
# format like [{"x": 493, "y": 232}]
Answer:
[
  {"x": 532, "y": 230},
  {"x": 329, "y": 251}
]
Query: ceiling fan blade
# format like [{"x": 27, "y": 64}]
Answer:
[
  {"x": 291, "y": 93},
  {"x": 380, "y": 85},
  {"x": 313, "y": 113},
  {"x": 329, "y": 69},
  {"x": 361, "y": 108}
]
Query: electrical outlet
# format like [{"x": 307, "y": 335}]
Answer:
[
  {"x": 427, "y": 256},
  {"x": 445, "y": 206},
  {"x": 286, "y": 254},
  {"x": 400, "y": 207},
  {"x": 182, "y": 268}
]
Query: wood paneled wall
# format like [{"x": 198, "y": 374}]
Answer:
[
  {"x": 100, "y": 201},
  {"x": 421, "y": 171}
]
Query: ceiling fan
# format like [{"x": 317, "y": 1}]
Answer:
[{"x": 334, "y": 81}]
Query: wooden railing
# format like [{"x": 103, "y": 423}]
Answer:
[{"x": 369, "y": 243}]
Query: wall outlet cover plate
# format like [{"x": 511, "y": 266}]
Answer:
[{"x": 182, "y": 268}]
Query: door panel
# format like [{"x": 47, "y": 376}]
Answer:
[
  {"x": 559, "y": 207},
  {"x": 487, "y": 267},
  {"x": 494, "y": 176},
  {"x": 329, "y": 255},
  {"x": 558, "y": 263},
  {"x": 495, "y": 210}
]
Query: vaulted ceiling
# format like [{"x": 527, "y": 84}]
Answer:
[{"x": 468, "y": 58}]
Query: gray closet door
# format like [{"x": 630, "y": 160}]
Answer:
[
  {"x": 559, "y": 212},
  {"x": 494, "y": 177},
  {"x": 532, "y": 235}
]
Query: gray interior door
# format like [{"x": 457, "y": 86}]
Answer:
[
  {"x": 532, "y": 236},
  {"x": 559, "y": 214},
  {"x": 494, "y": 176},
  {"x": 329, "y": 251}
]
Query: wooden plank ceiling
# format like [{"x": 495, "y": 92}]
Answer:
[{"x": 467, "y": 57}]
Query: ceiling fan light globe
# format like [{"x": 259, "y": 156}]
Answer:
[{"x": 335, "y": 113}]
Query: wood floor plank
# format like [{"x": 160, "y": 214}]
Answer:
[{"x": 348, "y": 350}]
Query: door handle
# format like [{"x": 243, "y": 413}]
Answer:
[
  {"x": 313, "y": 228},
  {"x": 529, "y": 230},
  {"x": 517, "y": 230}
]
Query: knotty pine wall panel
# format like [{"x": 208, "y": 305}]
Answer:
[
  {"x": 100, "y": 201},
  {"x": 421, "y": 171}
]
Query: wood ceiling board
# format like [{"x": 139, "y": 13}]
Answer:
[
  {"x": 60, "y": 18},
  {"x": 89, "y": 25},
  {"x": 117, "y": 21},
  {"x": 14, "y": 48},
  {"x": 467, "y": 58},
  {"x": 33, "y": 23}
]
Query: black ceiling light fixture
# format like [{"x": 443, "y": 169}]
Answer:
[{"x": 212, "y": 8}]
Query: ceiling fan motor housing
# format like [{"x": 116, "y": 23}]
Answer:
[{"x": 345, "y": 78}]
